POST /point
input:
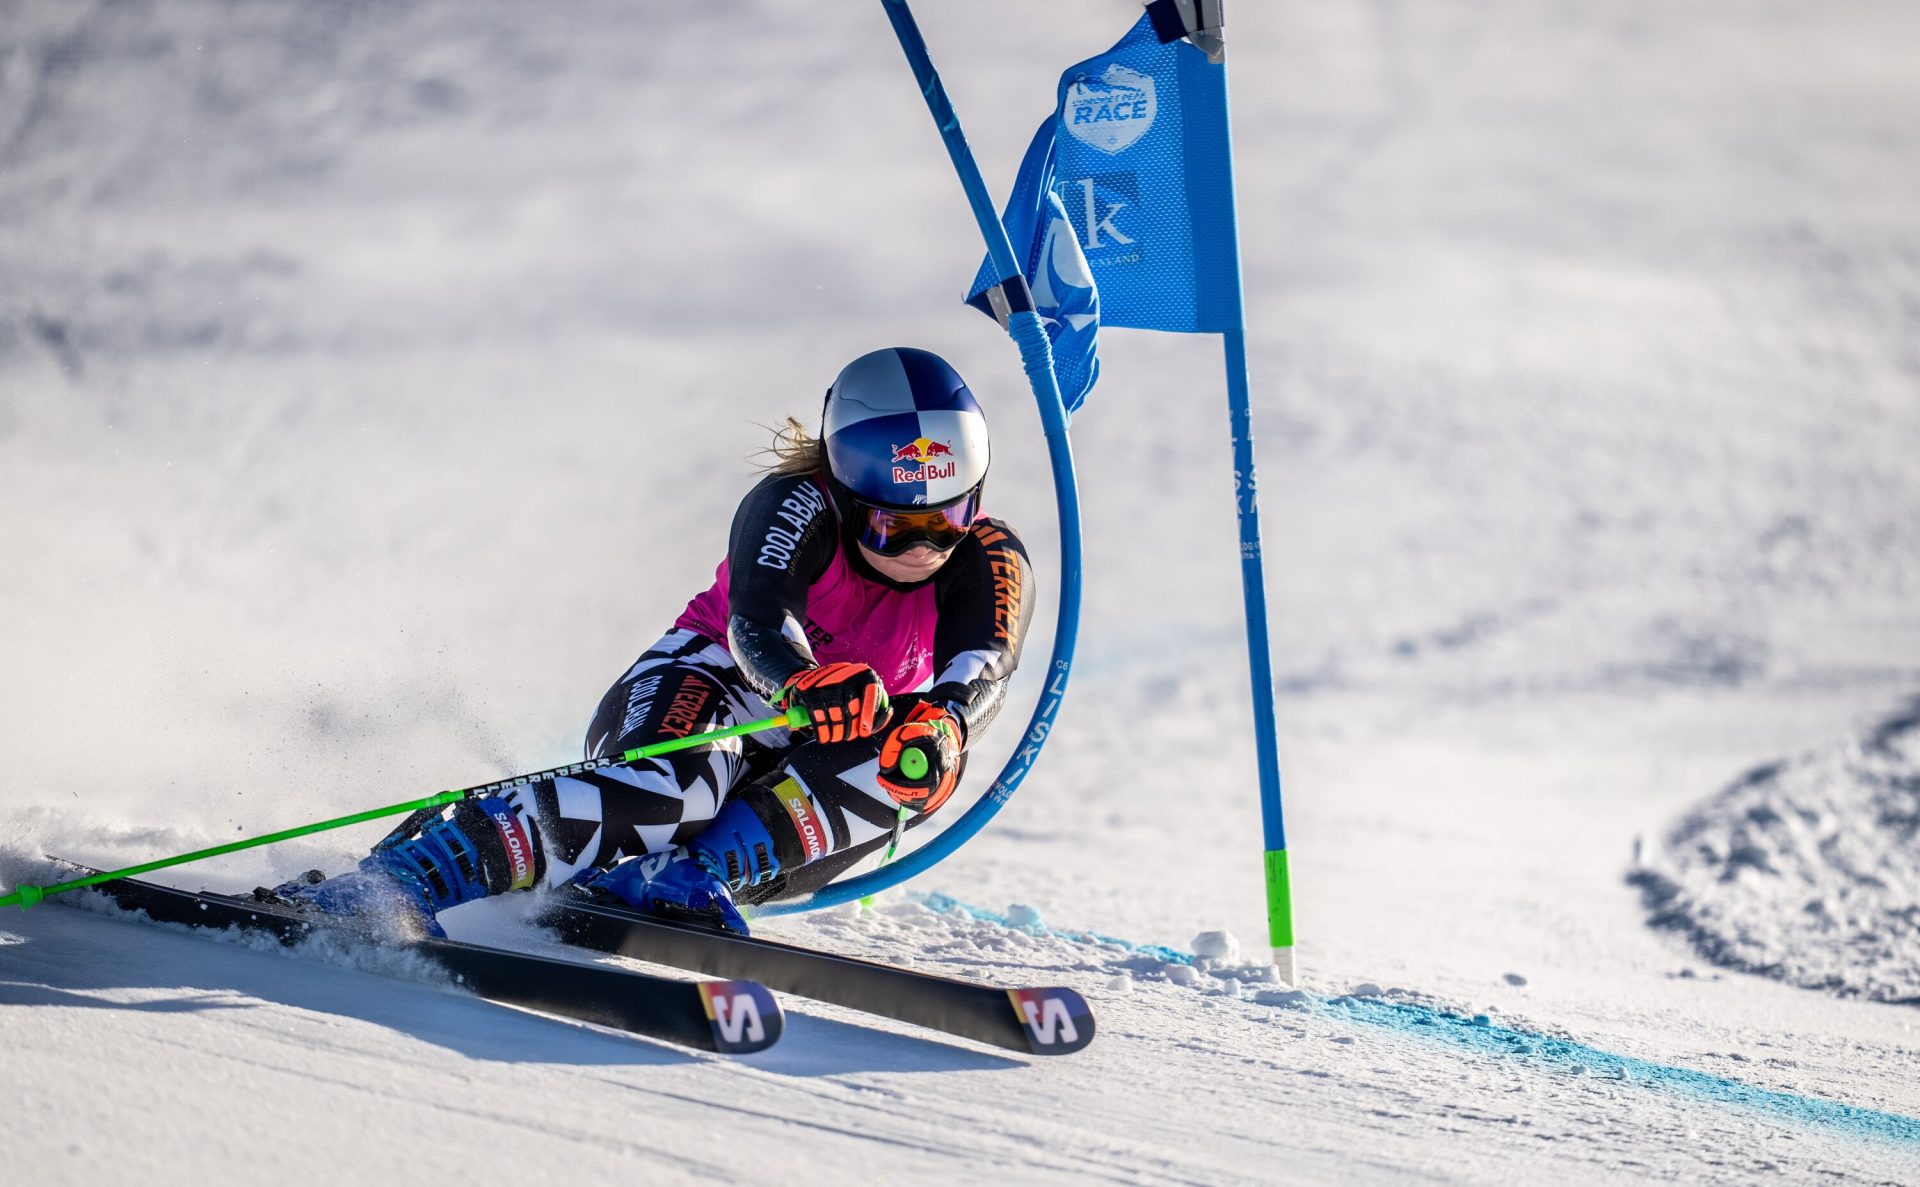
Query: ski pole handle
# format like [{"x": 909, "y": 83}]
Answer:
[
  {"x": 914, "y": 764},
  {"x": 26, "y": 896}
]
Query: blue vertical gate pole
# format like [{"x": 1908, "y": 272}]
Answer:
[
  {"x": 1036, "y": 355},
  {"x": 1253, "y": 584},
  {"x": 1253, "y": 587}
]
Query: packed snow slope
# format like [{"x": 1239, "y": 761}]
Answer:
[
  {"x": 377, "y": 379},
  {"x": 1808, "y": 869}
]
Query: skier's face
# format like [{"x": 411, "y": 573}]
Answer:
[{"x": 915, "y": 564}]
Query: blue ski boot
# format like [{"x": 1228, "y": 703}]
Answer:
[
  {"x": 695, "y": 882},
  {"x": 476, "y": 850},
  {"x": 392, "y": 903}
]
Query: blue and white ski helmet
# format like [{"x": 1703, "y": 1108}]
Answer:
[{"x": 903, "y": 431}]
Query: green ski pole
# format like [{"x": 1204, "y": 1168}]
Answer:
[
  {"x": 913, "y": 764},
  {"x": 899, "y": 827},
  {"x": 26, "y": 896}
]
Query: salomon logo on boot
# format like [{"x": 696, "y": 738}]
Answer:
[{"x": 475, "y": 850}]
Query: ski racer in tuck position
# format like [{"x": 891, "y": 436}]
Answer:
[{"x": 859, "y": 568}]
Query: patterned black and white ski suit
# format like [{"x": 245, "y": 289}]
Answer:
[{"x": 792, "y": 591}]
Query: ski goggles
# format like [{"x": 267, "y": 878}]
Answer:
[{"x": 891, "y": 533}]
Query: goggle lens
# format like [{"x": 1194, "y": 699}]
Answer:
[{"x": 891, "y": 533}]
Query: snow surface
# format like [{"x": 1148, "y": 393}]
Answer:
[
  {"x": 377, "y": 379},
  {"x": 1808, "y": 870}
]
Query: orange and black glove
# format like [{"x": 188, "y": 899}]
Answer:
[
  {"x": 920, "y": 757},
  {"x": 842, "y": 701}
]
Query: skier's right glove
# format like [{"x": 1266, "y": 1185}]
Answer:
[
  {"x": 843, "y": 701},
  {"x": 920, "y": 758}
]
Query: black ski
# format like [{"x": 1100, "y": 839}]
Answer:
[
  {"x": 1043, "y": 1021},
  {"x": 734, "y": 1017}
]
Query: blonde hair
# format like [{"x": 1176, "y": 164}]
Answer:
[{"x": 794, "y": 450}]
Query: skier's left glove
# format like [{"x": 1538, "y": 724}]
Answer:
[
  {"x": 920, "y": 757},
  {"x": 843, "y": 701}
]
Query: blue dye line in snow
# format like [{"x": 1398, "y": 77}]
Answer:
[{"x": 1480, "y": 1035}]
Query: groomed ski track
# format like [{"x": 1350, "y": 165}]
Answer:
[
  {"x": 375, "y": 381},
  {"x": 1188, "y": 1084}
]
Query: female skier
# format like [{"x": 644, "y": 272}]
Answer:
[{"x": 858, "y": 570}]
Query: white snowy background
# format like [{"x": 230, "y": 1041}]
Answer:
[{"x": 376, "y": 379}]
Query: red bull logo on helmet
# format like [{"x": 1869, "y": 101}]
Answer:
[{"x": 919, "y": 461}]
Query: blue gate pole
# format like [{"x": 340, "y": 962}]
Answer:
[
  {"x": 1253, "y": 586},
  {"x": 1036, "y": 355}
]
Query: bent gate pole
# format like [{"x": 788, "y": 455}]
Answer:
[{"x": 1036, "y": 355}]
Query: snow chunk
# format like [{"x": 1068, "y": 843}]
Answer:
[
  {"x": 1217, "y": 945},
  {"x": 1026, "y": 918},
  {"x": 1293, "y": 999}
]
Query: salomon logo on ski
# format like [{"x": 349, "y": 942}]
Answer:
[
  {"x": 744, "y": 1016},
  {"x": 1058, "y": 1021}
]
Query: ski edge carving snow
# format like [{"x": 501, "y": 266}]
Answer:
[{"x": 733, "y": 1017}]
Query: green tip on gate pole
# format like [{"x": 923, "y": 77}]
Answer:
[
  {"x": 26, "y": 896},
  {"x": 1280, "y": 913}
]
